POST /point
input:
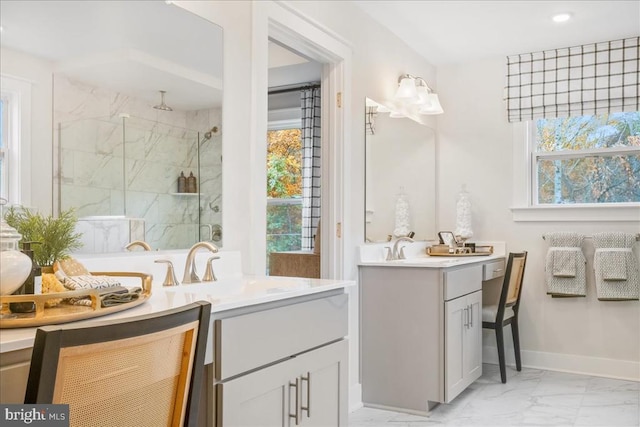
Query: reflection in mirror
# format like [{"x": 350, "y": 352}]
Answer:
[
  {"x": 399, "y": 164},
  {"x": 120, "y": 145}
]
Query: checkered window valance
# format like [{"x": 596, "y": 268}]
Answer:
[{"x": 584, "y": 80}]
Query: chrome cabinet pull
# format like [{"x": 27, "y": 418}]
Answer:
[
  {"x": 471, "y": 315},
  {"x": 308, "y": 407},
  {"x": 466, "y": 317},
  {"x": 296, "y": 414}
]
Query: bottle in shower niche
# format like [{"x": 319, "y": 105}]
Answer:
[
  {"x": 192, "y": 184},
  {"x": 182, "y": 183}
]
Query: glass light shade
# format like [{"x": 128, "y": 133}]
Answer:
[
  {"x": 432, "y": 106},
  {"x": 407, "y": 90},
  {"x": 423, "y": 95}
]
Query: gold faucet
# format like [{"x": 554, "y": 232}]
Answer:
[
  {"x": 190, "y": 273},
  {"x": 143, "y": 245}
]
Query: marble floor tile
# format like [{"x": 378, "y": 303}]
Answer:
[{"x": 532, "y": 397}]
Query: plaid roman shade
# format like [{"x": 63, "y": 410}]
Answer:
[{"x": 583, "y": 80}]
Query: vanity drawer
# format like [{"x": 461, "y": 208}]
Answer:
[
  {"x": 252, "y": 340},
  {"x": 463, "y": 281},
  {"x": 493, "y": 269}
]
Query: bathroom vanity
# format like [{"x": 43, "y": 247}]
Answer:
[
  {"x": 277, "y": 351},
  {"x": 421, "y": 326}
]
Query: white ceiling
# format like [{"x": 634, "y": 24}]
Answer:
[
  {"x": 134, "y": 47},
  {"x": 450, "y": 32}
]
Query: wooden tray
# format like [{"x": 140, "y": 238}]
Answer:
[
  {"x": 484, "y": 251},
  {"x": 63, "y": 313}
]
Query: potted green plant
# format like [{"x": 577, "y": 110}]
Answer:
[{"x": 57, "y": 236}]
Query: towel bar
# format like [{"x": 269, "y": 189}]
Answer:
[{"x": 590, "y": 237}]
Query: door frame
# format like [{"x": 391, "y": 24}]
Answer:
[{"x": 282, "y": 22}]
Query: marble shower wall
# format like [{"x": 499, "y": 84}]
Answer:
[{"x": 120, "y": 157}]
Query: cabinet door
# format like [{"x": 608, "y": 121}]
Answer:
[
  {"x": 312, "y": 386},
  {"x": 473, "y": 338},
  {"x": 463, "y": 343},
  {"x": 456, "y": 321},
  {"x": 323, "y": 392},
  {"x": 262, "y": 398}
]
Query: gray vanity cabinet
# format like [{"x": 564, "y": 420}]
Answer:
[
  {"x": 421, "y": 334},
  {"x": 284, "y": 366}
]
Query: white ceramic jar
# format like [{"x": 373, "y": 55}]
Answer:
[{"x": 15, "y": 266}]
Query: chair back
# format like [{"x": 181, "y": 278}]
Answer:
[
  {"x": 143, "y": 371},
  {"x": 512, "y": 284}
]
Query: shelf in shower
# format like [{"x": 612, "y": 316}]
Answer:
[{"x": 185, "y": 194}]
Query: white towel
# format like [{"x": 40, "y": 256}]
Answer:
[
  {"x": 89, "y": 282},
  {"x": 565, "y": 265},
  {"x": 615, "y": 267},
  {"x": 564, "y": 261}
]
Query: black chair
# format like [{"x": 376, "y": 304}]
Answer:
[
  {"x": 144, "y": 370},
  {"x": 505, "y": 313}
]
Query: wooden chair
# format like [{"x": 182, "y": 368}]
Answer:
[
  {"x": 142, "y": 371},
  {"x": 505, "y": 313}
]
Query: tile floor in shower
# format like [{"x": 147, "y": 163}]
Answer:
[{"x": 531, "y": 397}]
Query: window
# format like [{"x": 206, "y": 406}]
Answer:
[
  {"x": 15, "y": 140},
  {"x": 586, "y": 160},
  {"x": 4, "y": 141},
  {"x": 284, "y": 189}
]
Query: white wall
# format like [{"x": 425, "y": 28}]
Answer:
[
  {"x": 573, "y": 334},
  {"x": 39, "y": 74},
  {"x": 379, "y": 58}
]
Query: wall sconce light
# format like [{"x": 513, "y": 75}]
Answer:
[{"x": 415, "y": 94}]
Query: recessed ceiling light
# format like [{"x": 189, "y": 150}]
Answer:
[{"x": 561, "y": 17}]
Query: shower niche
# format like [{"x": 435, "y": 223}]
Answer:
[{"x": 120, "y": 173}]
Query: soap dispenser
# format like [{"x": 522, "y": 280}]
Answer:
[
  {"x": 182, "y": 183},
  {"x": 192, "y": 186},
  {"x": 31, "y": 286}
]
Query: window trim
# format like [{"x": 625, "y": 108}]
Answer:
[
  {"x": 18, "y": 92},
  {"x": 524, "y": 208}
]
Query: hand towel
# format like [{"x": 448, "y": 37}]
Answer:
[
  {"x": 565, "y": 265},
  {"x": 116, "y": 298},
  {"x": 564, "y": 261},
  {"x": 616, "y": 267},
  {"x": 613, "y": 262},
  {"x": 89, "y": 282}
]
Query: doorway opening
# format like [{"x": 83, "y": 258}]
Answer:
[{"x": 294, "y": 164}]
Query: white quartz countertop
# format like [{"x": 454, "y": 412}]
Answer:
[
  {"x": 225, "y": 294},
  {"x": 433, "y": 261},
  {"x": 415, "y": 252}
]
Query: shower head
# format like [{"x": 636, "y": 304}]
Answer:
[
  {"x": 162, "y": 106},
  {"x": 210, "y": 133}
]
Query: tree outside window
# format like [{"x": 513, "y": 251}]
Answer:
[
  {"x": 587, "y": 160},
  {"x": 284, "y": 190}
]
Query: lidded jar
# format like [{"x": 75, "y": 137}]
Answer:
[{"x": 15, "y": 266}]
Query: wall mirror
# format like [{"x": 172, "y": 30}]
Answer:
[
  {"x": 399, "y": 160},
  {"x": 120, "y": 144}
]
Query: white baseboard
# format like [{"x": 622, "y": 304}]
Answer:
[
  {"x": 575, "y": 364},
  {"x": 355, "y": 397}
]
